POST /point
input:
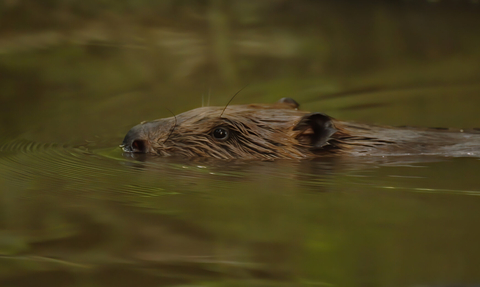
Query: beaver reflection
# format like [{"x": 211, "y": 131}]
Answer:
[{"x": 281, "y": 131}]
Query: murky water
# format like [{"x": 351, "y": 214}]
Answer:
[{"x": 76, "y": 211}]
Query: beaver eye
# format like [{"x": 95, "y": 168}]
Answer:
[{"x": 221, "y": 134}]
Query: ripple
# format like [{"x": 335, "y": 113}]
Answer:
[
  {"x": 30, "y": 165},
  {"x": 48, "y": 165},
  {"x": 89, "y": 170},
  {"x": 24, "y": 146}
]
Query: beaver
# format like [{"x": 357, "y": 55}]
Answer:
[{"x": 282, "y": 131}]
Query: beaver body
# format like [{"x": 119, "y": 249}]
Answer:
[{"x": 281, "y": 131}]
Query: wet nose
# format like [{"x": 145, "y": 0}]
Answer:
[
  {"x": 136, "y": 141},
  {"x": 137, "y": 146}
]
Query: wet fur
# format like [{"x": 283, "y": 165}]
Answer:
[{"x": 280, "y": 131}]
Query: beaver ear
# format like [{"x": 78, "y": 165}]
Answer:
[
  {"x": 318, "y": 126},
  {"x": 289, "y": 102}
]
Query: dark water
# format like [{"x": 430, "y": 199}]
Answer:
[{"x": 75, "y": 211}]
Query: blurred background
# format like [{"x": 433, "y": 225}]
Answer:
[
  {"x": 75, "y": 76},
  {"x": 131, "y": 59}
]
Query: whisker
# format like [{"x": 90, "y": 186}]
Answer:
[{"x": 232, "y": 99}]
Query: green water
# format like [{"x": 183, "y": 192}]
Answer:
[{"x": 75, "y": 211}]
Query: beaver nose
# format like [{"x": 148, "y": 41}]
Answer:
[
  {"x": 135, "y": 141},
  {"x": 137, "y": 146}
]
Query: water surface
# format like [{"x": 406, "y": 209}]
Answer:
[{"x": 76, "y": 211}]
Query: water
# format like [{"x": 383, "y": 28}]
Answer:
[{"x": 76, "y": 211}]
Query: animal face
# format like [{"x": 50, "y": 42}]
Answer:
[{"x": 242, "y": 131}]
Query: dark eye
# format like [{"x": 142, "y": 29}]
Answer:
[{"x": 221, "y": 134}]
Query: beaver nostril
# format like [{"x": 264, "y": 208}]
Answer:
[{"x": 139, "y": 146}]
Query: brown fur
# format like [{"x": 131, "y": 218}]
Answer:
[{"x": 280, "y": 131}]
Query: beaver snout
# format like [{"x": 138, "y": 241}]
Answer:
[
  {"x": 137, "y": 140},
  {"x": 136, "y": 145}
]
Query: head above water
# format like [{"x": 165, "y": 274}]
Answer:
[{"x": 262, "y": 132}]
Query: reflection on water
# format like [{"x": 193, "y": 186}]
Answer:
[
  {"x": 81, "y": 214},
  {"x": 75, "y": 211}
]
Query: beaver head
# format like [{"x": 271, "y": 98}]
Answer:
[{"x": 238, "y": 132}]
